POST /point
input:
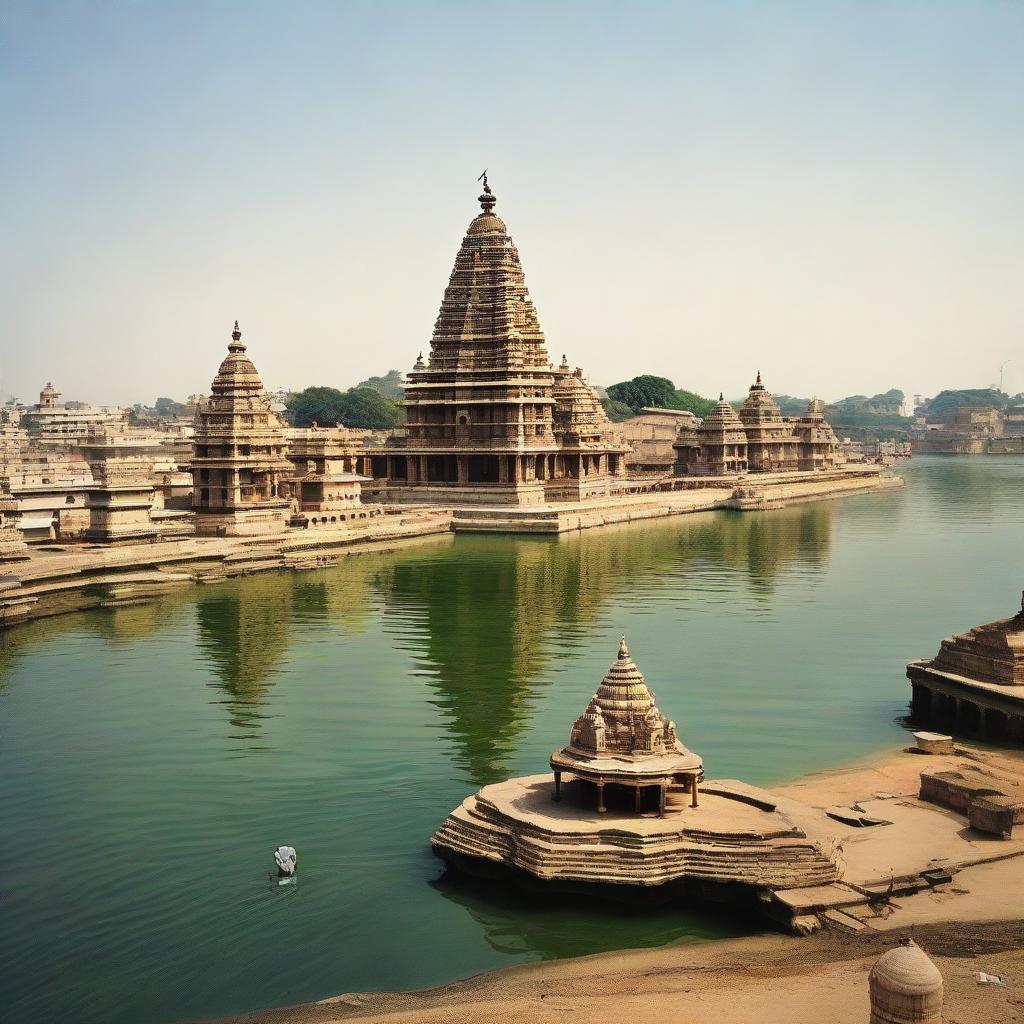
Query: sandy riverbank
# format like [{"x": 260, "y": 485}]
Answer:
[{"x": 975, "y": 923}]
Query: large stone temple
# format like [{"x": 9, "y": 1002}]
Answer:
[
  {"x": 489, "y": 418},
  {"x": 239, "y": 462}
]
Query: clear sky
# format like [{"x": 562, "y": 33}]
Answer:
[{"x": 832, "y": 193}]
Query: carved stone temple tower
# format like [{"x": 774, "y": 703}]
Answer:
[
  {"x": 771, "y": 444},
  {"x": 238, "y": 462},
  {"x": 489, "y": 419}
]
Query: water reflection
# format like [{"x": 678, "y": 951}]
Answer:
[
  {"x": 489, "y": 617},
  {"x": 243, "y": 631},
  {"x": 558, "y": 925}
]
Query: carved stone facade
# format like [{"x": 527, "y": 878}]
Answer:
[
  {"x": 718, "y": 447},
  {"x": 12, "y": 542},
  {"x": 121, "y": 496},
  {"x": 489, "y": 419},
  {"x": 757, "y": 440},
  {"x": 771, "y": 444},
  {"x": 326, "y": 481},
  {"x": 239, "y": 462}
]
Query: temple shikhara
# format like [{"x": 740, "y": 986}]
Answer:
[
  {"x": 623, "y": 742},
  {"x": 239, "y": 462},
  {"x": 489, "y": 419}
]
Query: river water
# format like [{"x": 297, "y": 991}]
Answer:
[{"x": 151, "y": 758}]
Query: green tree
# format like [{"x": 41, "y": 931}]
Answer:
[
  {"x": 358, "y": 407},
  {"x": 617, "y": 411},
  {"x": 391, "y": 385},
  {"x": 657, "y": 392},
  {"x": 643, "y": 391}
]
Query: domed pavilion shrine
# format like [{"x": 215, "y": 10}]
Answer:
[{"x": 623, "y": 741}]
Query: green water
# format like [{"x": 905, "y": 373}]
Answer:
[{"x": 151, "y": 758}]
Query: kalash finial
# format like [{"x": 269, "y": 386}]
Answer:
[
  {"x": 758, "y": 376},
  {"x": 236, "y": 340},
  {"x": 623, "y": 649},
  {"x": 721, "y": 396},
  {"x": 486, "y": 199}
]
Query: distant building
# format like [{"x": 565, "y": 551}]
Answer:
[
  {"x": 973, "y": 430},
  {"x": 53, "y": 423},
  {"x": 651, "y": 435}
]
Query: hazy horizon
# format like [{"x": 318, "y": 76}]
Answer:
[{"x": 828, "y": 193}]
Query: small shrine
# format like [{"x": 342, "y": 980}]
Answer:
[{"x": 623, "y": 741}]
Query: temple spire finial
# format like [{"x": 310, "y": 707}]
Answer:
[
  {"x": 623, "y": 649},
  {"x": 758, "y": 376},
  {"x": 236, "y": 340},
  {"x": 721, "y": 396},
  {"x": 487, "y": 198}
]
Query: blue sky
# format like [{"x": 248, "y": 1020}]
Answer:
[{"x": 827, "y": 192}]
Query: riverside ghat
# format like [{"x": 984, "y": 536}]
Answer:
[{"x": 626, "y": 813}]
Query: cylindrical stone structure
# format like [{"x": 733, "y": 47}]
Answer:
[{"x": 906, "y": 987}]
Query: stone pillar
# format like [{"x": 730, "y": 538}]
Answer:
[
  {"x": 462, "y": 469},
  {"x": 600, "y": 798},
  {"x": 693, "y": 792},
  {"x": 661, "y": 800},
  {"x": 637, "y": 790},
  {"x": 558, "y": 787},
  {"x": 410, "y": 468},
  {"x": 424, "y": 469}
]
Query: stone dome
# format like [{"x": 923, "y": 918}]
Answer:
[
  {"x": 237, "y": 371},
  {"x": 487, "y": 223},
  {"x": 759, "y": 405},
  {"x": 905, "y": 987},
  {"x": 723, "y": 421}
]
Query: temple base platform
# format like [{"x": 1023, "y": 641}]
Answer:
[
  {"x": 637, "y": 500},
  {"x": 800, "y": 866}
]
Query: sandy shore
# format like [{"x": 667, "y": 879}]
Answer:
[{"x": 976, "y": 923}]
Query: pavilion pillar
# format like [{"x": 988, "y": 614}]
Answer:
[
  {"x": 600, "y": 798},
  {"x": 558, "y": 787},
  {"x": 693, "y": 793},
  {"x": 424, "y": 469},
  {"x": 461, "y": 469},
  {"x": 502, "y": 470},
  {"x": 661, "y": 800},
  {"x": 636, "y": 798},
  {"x": 410, "y": 468}
]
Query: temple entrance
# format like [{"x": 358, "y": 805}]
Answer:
[{"x": 483, "y": 469}]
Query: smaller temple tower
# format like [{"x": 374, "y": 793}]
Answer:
[
  {"x": 817, "y": 441},
  {"x": 722, "y": 441},
  {"x": 771, "y": 446},
  {"x": 905, "y": 987},
  {"x": 239, "y": 461},
  {"x": 623, "y": 740}
]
